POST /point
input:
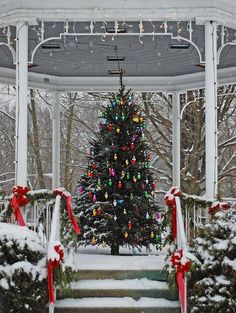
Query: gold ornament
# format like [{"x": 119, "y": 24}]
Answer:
[
  {"x": 93, "y": 241},
  {"x": 122, "y": 174},
  {"x": 106, "y": 195},
  {"x": 136, "y": 118},
  {"x": 127, "y": 162},
  {"x": 115, "y": 156},
  {"x": 118, "y": 130},
  {"x": 134, "y": 179},
  {"x": 126, "y": 235},
  {"x": 94, "y": 212},
  {"x": 141, "y": 119},
  {"x": 152, "y": 234}
]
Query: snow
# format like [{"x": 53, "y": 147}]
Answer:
[
  {"x": 116, "y": 302},
  {"x": 22, "y": 235},
  {"x": 217, "y": 298},
  {"x": 35, "y": 270},
  {"x": 221, "y": 244},
  {"x": 131, "y": 284},
  {"x": 93, "y": 258}
]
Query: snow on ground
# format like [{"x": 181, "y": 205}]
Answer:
[
  {"x": 116, "y": 302},
  {"x": 98, "y": 258}
]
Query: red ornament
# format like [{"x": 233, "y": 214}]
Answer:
[
  {"x": 94, "y": 166},
  {"x": 132, "y": 162},
  {"x": 90, "y": 195},
  {"x": 153, "y": 186},
  {"x": 129, "y": 225},
  {"x": 123, "y": 147},
  {"x": 99, "y": 211},
  {"x": 119, "y": 184},
  {"x": 132, "y": 146},
  {"x": 109, "y": 127},
  {"x": 91, "y": 174}
]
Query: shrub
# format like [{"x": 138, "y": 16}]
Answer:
[{"x": 23, "y": 284}]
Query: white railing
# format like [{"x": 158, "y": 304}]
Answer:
[
  {"x": 54, "y": 238},
  {"x": 37, "y": 216},
  {"x": 181, "y": 240}
]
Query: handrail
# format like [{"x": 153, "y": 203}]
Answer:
[
  {"x": 53, "y": 255},
  {"x": 178, "y": 258},
  {"x": 181, "y": 245}
]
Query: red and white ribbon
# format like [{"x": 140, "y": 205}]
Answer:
[
  {"x": 55, "y": 257},
  {"x": 19, "y": 199},
  {"x": 170, "y": 200},
  {"x": 182, "y": 265},
  {"x": 217, "y": 206},
  {"x": 67, "y": 197}
]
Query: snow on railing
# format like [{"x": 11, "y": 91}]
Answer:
[
  {"x": 178, "y": 258},
  {"x": 55, "y": 251}
]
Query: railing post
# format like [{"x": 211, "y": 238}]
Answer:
[
  {"x": 21, "y": 103},
  {"x": 211, "y": 172},
  {"x": 176, "y": 139},
  {"x": 56, "y": 141}
]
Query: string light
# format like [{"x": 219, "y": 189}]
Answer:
[
  {"x": 141, "y": 30},
  {"x": 178, "y": 30}
]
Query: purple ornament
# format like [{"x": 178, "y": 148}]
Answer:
[
  {"x": 81, "y": 189},
  {"x": 113, "y": 146},
  {"x": 94, "y": 198},
  {"x": 133, "y": 137},
  {"x": 112, "y": 172},
  {"x": 143, "y": 186},
  {"x": 158, "y": 217}
]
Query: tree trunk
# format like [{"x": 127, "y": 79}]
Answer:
[
  {"x": 68, "y": 172},
  {"x": 114, "y": 249},
  {"x": 35, "y": 140}
]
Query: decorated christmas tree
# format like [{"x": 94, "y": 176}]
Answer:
[{"x": 116, "y": 206}]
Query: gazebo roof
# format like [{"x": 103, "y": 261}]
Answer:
[{"x": 77, "y": 56}]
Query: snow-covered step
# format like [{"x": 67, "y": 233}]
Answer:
[
  {"x": 117, "y": 305},
  {"x": 135, "y": 288},
  {"x": 155, "y": 274}
]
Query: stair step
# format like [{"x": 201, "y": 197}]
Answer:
[
  {"x": 135, "y": 288},
  {"x": 154, "y": 274},
  {"x": 117, "y": 305}
]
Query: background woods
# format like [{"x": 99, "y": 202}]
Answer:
[{"x": 79, "y": 122}]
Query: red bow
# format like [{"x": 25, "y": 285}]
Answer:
[
  {"x": 170, "y": 200},
  {"x": 66, "y": 195},
  {"x": 52, "y": 264},
  {"x": 216, "y": 206},
  {"x": 19, "y": 199},
  {"x": 181, "y": 266},
  {"x": 177, "y": 261}
]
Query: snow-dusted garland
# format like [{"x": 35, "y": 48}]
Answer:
[{"x": 20, "y": 197}]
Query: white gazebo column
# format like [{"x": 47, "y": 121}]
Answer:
[
  {"x": 56, "y": 141},
  {"x": 21, "y": 103},
  {"x": 211, "y": 108},
  {"x": 175, "y": 139}
]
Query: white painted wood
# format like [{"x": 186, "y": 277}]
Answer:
[
  {"x": 168, "y": 84},
  {"x": 223, "y": 11},
  {"x": 176, "y": 139},
  {"x": 56, "y": 141},
  {"x": 211, "y": 108},
  {"x": 21, "y": 104}
]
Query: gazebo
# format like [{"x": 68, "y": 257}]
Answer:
[{"x": 167, "y": 46}]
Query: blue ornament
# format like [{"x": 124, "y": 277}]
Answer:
[{"x": 120, "y": 201}]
